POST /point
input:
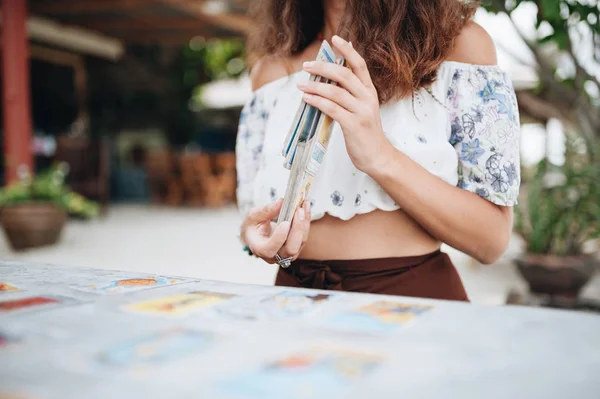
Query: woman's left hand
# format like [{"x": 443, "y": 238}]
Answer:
[{"x": 353, "y": 103}]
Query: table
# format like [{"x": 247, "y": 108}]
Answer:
[{"x": 85, "y": 333}]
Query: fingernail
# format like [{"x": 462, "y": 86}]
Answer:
[
  {"x": 308, "y": 97},
  {"x": 337, "y": 40},
  {"x": 301, "y": 215},
  {"x": 309, "y": 64},
  {"x": 302, "y": 85}
]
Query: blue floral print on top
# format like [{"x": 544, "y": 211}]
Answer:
[
  {"x": 249, "y": 147},
  {"x": 485, "y": 131}
]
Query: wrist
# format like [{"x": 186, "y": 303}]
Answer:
[
  {"x": 384, "y": 162},
  {"x": 245, "y": 246},
  {"x": 242, "y": 236}
]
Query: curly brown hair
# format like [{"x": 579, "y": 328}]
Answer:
[{"x": 403, "y": 41}]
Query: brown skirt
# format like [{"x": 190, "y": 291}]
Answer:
[{"x": 428, "y": 276}]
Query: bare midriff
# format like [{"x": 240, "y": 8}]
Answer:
[{"x": 377, "y": 234}]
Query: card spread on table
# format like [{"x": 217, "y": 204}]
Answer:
[
  {"x": 156, "y": 348},
  {"x": 379, "y": 316},
  {"x": 313, "y": 374},
  {"x": 178, "y": 305},
  {"x": 30, "y": 302},
  {"x": 129, "y": 285},
  {"x": 287, "y": 304},
  {"x": 4, "y": 287}
]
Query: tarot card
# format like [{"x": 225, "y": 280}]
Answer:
[
  {"x": 154, "y": 349},
  {"x": 129, "y": 285},
  {"x": 179, "y": 305},
  {"x": 4, "y": 287},
  {"x": 317, "y": 373},
  {"x": 32, "y": 302},
  {"x": 284, "y": 305},
  {"x": 380, "y": 316}
]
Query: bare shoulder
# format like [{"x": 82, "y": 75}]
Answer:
[
  {"x": 474, "y": 46},
  {"x": 267, "y": 70},
  {"x": 270, "y": 69}
]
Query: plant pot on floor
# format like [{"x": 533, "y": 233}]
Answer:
[
  {"x": 32, "y": 225},
  {"x": 563, "y": 276}
]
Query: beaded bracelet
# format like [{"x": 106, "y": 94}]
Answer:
[{"x": 248, "y": 250}]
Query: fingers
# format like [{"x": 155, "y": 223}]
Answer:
[
  {"x": 338, "y": 73},
  {"x": 268, "y": 247},
  {"x": 308, "y": 214},
  {"x": 298, "y": 235},
  {"x": 334, "y": 93},
  {"x": 261, "y": 215},
  {"x": 355, "y": 61},
  {"x": 334, "y": 110},
  {"x": 286, "y": 240}
]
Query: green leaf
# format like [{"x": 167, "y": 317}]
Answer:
[
  {"x": 559, "y": 220},
  {"x": 547, "y": 39},
  {"x": 550, "y": 9},
  {"x": 561, "y": 38},
  {"x": 48, "y": 186}
]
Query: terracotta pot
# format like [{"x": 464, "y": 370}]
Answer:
[
  {"x": 32, "y": 225},
  {"x": 556, "y": 275}
]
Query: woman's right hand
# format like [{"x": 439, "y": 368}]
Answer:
[{"x": 266, "y": 240}]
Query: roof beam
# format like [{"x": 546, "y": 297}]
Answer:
[
  {"x": 168, "y": 39},
  {"x": 74, "y": 38},
  {"x": 158, "y": 36},
  {"x": 194, "y": 8},
  {"x": 87, "y": 6},
  {"x": 143, "y": 24},
  {"x": 236, "y": 23},
  {"x": 54, "y": 56}
]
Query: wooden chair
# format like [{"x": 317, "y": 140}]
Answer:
[
  {"x": 89, "y": 166},
  {"x": 162, "y": 177},
  {"x": 225, "y": 168},
  {"x": 208, "y": 180},
  {"x": 195, "y": 171}
]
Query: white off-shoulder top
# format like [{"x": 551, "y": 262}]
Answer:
[{"x": 464, "y": 129}]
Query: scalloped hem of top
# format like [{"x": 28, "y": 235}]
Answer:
[
  {"x": 364, "y": 211},
  {"x": 508, "y": 204},
  {"x": 372, "y": 208}
]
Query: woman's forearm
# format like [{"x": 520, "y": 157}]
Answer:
[{"x": 455, "y": 216}]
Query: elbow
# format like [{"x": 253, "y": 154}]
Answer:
[
  {"x": 488, "y": 258},
  {"x": 490, "y": 252}
]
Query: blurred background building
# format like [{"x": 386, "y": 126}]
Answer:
[
  {"x": 141, "y": 99},
  {"x": 128, "y": 77}
]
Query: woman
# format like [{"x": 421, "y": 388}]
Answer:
[{"x": 425, "y": 149}]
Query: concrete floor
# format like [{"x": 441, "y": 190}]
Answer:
[{"x": 203, "y": 243}]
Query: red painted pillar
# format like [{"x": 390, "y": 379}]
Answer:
[{"x": 15, "y": 77}]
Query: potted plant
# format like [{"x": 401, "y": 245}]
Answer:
[
  {"x": 561, "y": 214},
  {"x": 33, "y": 211}
]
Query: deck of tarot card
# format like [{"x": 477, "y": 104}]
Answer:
[{"x": 306, "y": 145}]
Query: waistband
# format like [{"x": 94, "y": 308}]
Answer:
[
  {"x": 351, "y": 266},
  {"x": 332, "y": 274}
]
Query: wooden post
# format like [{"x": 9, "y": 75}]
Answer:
[{"x": 15, "y": 77}]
